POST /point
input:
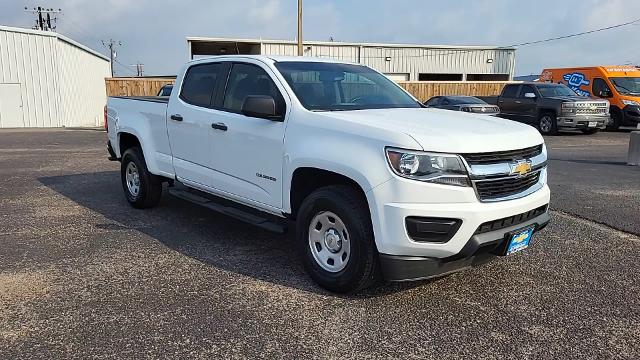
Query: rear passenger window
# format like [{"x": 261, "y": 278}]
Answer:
[
  {"x": 246, "y": 80},
  {"x": 510, "y": 91},
  {"x": 199, "y": 85}
]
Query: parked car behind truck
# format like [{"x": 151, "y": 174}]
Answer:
[
  {"x": 378, "y": 185},
  {"x": 620, "y": 85},
  {"x": 551, "y": 107},
  {"x": 462, "y": 103}
]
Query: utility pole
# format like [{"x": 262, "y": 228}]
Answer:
[
  {"x": 300, "y": 50},
  {"x": 43, "y": 21},
  {"x": 139, "y": 68},
  {"x": 111, "y": 45}
]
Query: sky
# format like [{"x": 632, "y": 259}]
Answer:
[{"x": 153, "y": 32}]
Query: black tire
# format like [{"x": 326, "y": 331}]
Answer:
[
  {"x": 150, "y": 186},
  {"x": 548, "y": 124},
  {"x": 616, "y": 121},
  {"x": 589, "y": 131},
  {"x": 362, "y": 267}
]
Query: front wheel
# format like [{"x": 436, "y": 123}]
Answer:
[
  {"x": 335, "y": 239},
  {"x": 548, "y": 124},
  {"x": 141, "y": 188},
  {"x": 616, "y": 121}
]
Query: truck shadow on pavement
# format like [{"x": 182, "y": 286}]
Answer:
[{"x": 204, "y": 235}]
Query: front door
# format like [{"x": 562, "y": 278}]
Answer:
[
  {"x": 248, "y": 151},
  {"x": 189, "y": 117},
  {"x": 526, "y": 107}
]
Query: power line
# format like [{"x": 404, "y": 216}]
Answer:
[{"x": 111, "y": 45}]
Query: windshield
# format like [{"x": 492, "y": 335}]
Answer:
[
  {"x": 333, "y": 87},
  {"x": 627, "y": 85},
  {"x": 460, "y": 100},
  {"x": 555, "y": 90}
]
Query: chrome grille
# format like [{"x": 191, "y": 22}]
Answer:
[
  {"x": 502, "y": 156},
  {"x": 591, "y": 111},
  {"x": 489, "y": 189},
  {"x": 485, "y": 109}
]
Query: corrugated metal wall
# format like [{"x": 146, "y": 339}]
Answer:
[
  {"x": 60, "y": 83},
  {"x": 409, "y": 60}
]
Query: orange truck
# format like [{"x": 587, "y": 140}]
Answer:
[{"x": 620, "y": 84}]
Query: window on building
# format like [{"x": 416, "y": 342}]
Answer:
[
  {"x": 487, "y": 77},
  {"x": 246, "y": 80},
  {"x": 200, "y": 84},
  {"x": 439, "y": 77}
]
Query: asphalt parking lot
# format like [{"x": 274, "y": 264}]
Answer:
[{"x": 84, "y": 275}]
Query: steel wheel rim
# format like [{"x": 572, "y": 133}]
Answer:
[
  {"x": 329, "y": 241},
  {"x": 132, "y": 178},
  {"x": 545, "y": 123}
]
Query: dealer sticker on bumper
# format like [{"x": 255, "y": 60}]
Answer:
[
  {"x": 519, "y": 240},
  {"x": 593, "y": 123}
]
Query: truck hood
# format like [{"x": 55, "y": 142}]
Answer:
[
  {"x": 573, "y": 98},
  {"x": 445, "y": 130}
]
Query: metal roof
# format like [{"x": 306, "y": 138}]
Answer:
[
  {"x": 338, "y": 43},
  {"x": 56, "y": 35}
]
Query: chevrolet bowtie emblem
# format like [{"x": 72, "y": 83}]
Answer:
[{"x": 521, "y": 167}]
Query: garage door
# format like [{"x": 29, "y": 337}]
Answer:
[{"x": 10, "y": 106}]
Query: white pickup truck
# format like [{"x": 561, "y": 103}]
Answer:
[{"x": 378, "y": 185}]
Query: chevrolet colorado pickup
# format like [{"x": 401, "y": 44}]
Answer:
[
  {"x": 379, "y": 186},
  {"x": 551, "y": 107}
]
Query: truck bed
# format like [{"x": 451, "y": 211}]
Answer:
[{"x": 158, "y": 99}]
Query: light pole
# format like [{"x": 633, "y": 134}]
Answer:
[{"x": 300, "y": 51}]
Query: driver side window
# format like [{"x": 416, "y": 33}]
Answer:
[
  {"x": 246, "y": 80},
  {"x": 601, "y": 89}
]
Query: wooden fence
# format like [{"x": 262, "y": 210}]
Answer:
[
  {"x": 136, "y": 86},
  {"x": 423, "y": 90}
]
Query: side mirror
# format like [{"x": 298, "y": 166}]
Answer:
[
  {"x": 604, "y": 93},
  {"x": 530, "y": 95},
  {"x": 260, "y": 106}
]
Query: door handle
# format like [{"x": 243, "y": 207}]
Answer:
[
  {"x": 176, "y": 117},
  {"x": 518, "y": 102},
  {"x": 219, "y": 126}
]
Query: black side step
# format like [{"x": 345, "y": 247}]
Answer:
[{"x": 228, "y": 208}]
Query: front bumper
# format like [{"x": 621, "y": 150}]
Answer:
[
  {"x": 583, "y": 122},
  {"x": 480, "y": 249}
]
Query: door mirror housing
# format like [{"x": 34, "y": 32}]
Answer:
[
  {"x": 261, "y": 106},
  {"x": 530, "y": 95}
]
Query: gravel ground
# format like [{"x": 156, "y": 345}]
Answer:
[{"x": 83, "y": 275}]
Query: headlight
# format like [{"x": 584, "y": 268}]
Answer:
[
  {"x": 568, "y": 107},
  {"x": 438, "y": 168},
  {"x": 630, "y": 102}
]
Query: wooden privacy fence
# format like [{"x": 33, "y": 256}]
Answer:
[
  {"x": 136, "y": 86},
  {"x": 423, "y": 90}
]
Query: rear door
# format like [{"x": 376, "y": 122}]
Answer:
[
  {"x": 189, "y": 117},
  {"x": 248, "y": 151},
  {"x": 507, "y": 99}
]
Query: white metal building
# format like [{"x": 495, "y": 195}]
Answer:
[
  {"x": 48, "y": 80},
  {"x": 401, "y": 62}
]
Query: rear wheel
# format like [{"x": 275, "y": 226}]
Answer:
[
  {"x": 141, "y": 188},
  {"x": 548, "y": 124},
  {"x": 335, "y": 239}
]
